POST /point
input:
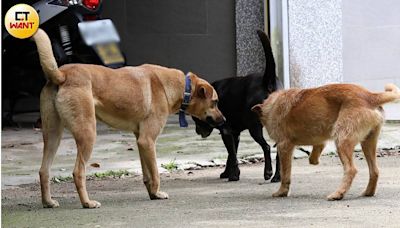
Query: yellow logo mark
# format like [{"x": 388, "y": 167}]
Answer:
[{"x": 21, "y": 21}]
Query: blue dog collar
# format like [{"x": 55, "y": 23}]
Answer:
[{"x": 186, "y": 100}]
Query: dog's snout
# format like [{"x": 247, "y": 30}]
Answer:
[
  {"x": 220, "y": 120},
  {"x": 209, "y": 120}
]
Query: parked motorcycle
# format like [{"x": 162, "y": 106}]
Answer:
[{"x": 78, "y": 35}]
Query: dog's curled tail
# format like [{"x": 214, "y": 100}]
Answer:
[
  {"x": 391, "y": 94},
  {"x": 46, "y": 56}
]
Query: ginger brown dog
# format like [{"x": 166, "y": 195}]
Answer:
[
  {"x": 137, "y": 99},
  {"x": 345, "y": 113}
]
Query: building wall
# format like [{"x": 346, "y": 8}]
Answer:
[
  {"x": 249, "y": 52},
  {"x": 195, "y": 35},
  {"x": 315, "y": 42},
  {"x": 353, "y": 41},
  {"x": 371, "y": 45},
  {"x": 215, "y": 38}
]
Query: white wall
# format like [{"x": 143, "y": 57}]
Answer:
[{"x": 371, "y": 45}]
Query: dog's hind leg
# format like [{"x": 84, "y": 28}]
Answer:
[
  {"x": 345, "y": 149},
  {"x": 369, "y": 148},
  {"x": 146, "y": 137},
  {"x": 231, "y": 142},
  {"x": 315, "y": 154},
  {"x": 76, "y": 109},
  {"x": 52, "y": 131},
  {"x": 257, "y": 134},
  {"x": 85, "y": 138},
  {"x": 285, "y": 151}
]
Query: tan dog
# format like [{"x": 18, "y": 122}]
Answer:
[
  {"x": 137, "y": 99},
  {"x": 346, "y": 113}
]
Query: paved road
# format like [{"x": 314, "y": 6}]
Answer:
[
  {"x": 201, "y": 199},
  {"x": 114, "y": 150}
]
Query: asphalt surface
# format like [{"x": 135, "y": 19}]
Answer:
[
  {"x": 200, "y": 199},
  {"x": 21, "y": 150}
]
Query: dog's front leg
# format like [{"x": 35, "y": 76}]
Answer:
[
  {"x": 285, "y": 151},
  {"x": 147, "y": 150},
  {"x": 231, "y": 142}
]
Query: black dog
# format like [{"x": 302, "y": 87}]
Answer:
[{"x": 236, "y": 97}]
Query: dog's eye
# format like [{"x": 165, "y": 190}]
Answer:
[{"x": 214, "y": 104}]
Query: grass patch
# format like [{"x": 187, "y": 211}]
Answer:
[
  {"x": 97, "y": 175},
  {"x": 60, "y": 179},
  {"x": 332, "y": 153},
  {"x": 170, "y": 166},
  {"x": 111, "y": 173}
]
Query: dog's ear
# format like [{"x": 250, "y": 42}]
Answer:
[
  {"x": 257, "y": 109},
  {"x": 204, "y": 91}
]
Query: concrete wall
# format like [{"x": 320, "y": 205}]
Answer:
[
  {"x": 195, "y": 35},
  {"x": 315, "y": 42}
]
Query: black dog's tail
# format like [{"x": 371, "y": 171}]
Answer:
[{"x": 269, "y": 78}]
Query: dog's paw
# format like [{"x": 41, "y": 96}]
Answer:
[
  {"x": 276, "y": 179},
  {"x": 335, "y": 196},
  {"x": 267, "y": 174},
  {"x": 313, "y": 161},
  {"x": 91, "y": 204},
  {"x": 368, "y": 193},
  {"x": 234, "y": 175},
  {"x": 51, "y": 204},
  {"x": 233, "y": 178},
  {"x": 280, "y": 194},
  {"x": 224, "y": 175},
  {"x": 159, "y": 195}
]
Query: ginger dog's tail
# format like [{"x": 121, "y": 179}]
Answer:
[
  {"x": 391, "y": 94},
  {"x": 46, "y": 56}
]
